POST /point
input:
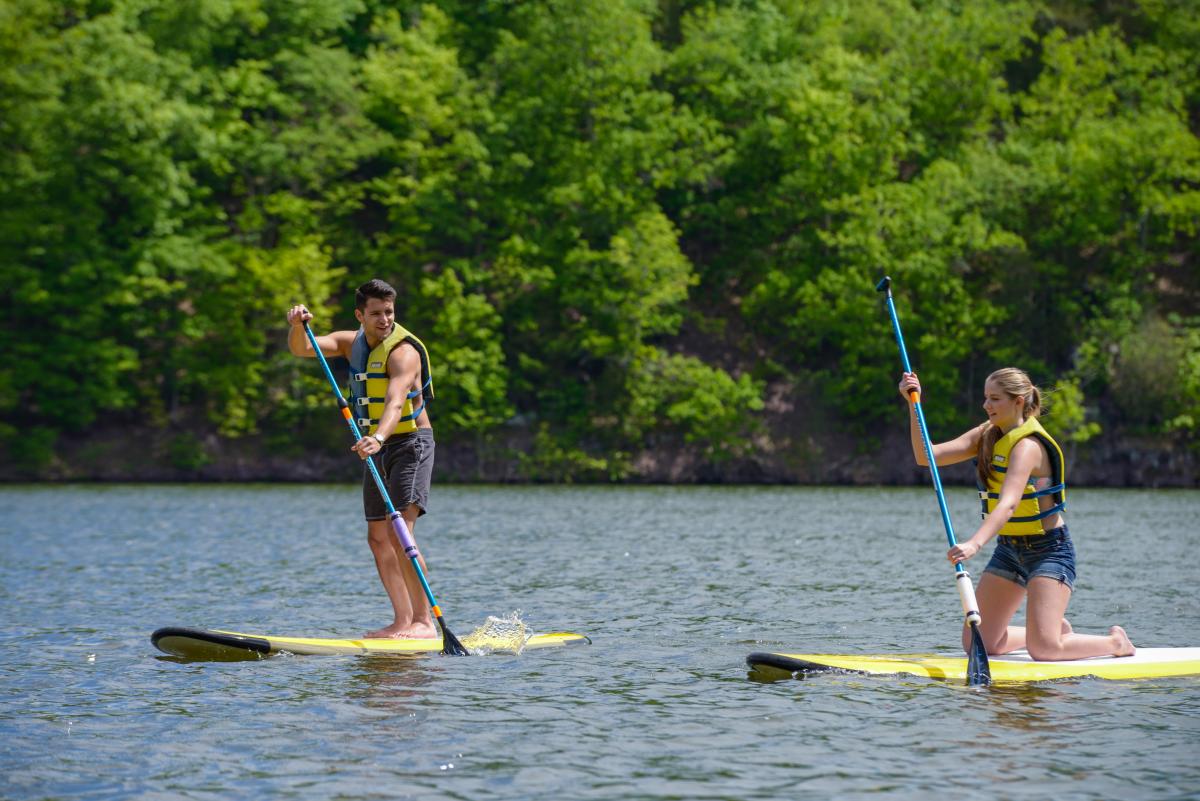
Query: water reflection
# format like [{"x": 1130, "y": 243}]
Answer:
[
  {"x": 394, "y": 683},
  {"x": 1024, "y": 708}
]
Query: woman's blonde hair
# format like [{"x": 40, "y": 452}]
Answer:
[{"x": 1014, "y": 383}]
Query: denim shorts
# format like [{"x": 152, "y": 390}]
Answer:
[{"x": 1050, "y": 554}]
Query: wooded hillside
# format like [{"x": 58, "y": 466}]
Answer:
[{"x": 626, "y": 229}]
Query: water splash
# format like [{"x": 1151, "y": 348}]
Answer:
[{"x": 506, "y": 634}]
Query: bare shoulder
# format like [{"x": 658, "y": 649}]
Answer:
[
  {"x": 1029, "y": 458},
  {"x": 404, "y": 358},
  {"x": 1029, "y": 448}
]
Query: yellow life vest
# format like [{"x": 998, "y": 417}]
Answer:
[
  {"x": 369, "y": 381},
  {"x": 1027, "y": 517}
]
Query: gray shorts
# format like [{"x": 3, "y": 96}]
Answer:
[{"x": 406, "y": 466}]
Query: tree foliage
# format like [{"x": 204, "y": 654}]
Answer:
[{"x": 566, "y": 191}]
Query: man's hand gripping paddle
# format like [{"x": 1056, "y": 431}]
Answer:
[
  {"x": 450, "y": 643},
  {"x": 978, "y": 670}
]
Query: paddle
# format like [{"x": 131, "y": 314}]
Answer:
[
  {"x": 978, "y": 671},
  {"x": 450, "y": 643}
]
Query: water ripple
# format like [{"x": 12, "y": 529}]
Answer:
[{"x": 675, "y": 586}]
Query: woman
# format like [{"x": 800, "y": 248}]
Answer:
[{"x": 1021, "y": 481}]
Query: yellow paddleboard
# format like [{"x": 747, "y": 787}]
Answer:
[
  {"x": 217, "y": 645},
  {"x": 1015, "y": 667}
]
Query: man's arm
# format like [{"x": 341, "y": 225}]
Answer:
[
  {"x": 336, "y": 343},
  {"x": 404, "y": 372}
]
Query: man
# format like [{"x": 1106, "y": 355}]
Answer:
[{"x": 390, "y": 383}]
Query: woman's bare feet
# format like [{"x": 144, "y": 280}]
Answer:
[
  {"x": 1122, "y": 645},
  {"x": 1066, "y": 626}
]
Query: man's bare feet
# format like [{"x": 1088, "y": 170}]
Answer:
[
  {"x": 396, "y": 631},
  {"x": 422, "y": 632},
  {"x": 385, "y": 633},
  {"x": 1122, "y": 645}
]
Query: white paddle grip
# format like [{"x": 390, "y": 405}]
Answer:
[{"x": 966, "y": 592}]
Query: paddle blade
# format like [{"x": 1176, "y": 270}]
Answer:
[
  {"x": 979, "y": 673},
  {"x": 450, "y": 644}
]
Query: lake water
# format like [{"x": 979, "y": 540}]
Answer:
[{"x": 674, "y": 585}]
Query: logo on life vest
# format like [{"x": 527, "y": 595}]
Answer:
[
  {"x": 999, "y": 458},
  {"x": 377, "y": 364}
]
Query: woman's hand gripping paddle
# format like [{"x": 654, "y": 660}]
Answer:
[
  {"x": 978, "y": 670},
  {"x": 450, "y": 643}
]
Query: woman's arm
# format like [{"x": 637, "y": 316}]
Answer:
[
  {"x": 954, "y": 451},
  {"x": 1024, "y": 457}
]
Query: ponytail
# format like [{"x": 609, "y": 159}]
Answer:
[{"x": 987, "y": 446}]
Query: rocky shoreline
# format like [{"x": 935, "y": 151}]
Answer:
[{"x": 124, "y": 455}]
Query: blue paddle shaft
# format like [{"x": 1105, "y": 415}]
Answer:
[
  {"x": 933, "y": 471},
  {"x": 402, "y": 533},
  {"x": 978, "y": 671}
]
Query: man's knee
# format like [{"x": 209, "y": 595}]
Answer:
[{"x": 379, "y": 533}]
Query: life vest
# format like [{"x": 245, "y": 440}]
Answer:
[
  {"x": 1027, "y": 517},
  {"x": 369, "y": 381}
]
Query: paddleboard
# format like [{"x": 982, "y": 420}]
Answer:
[
  {"x": 215, "y": 644},
  {"x": 1148, "y": 663}
]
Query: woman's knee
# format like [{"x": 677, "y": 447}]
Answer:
[{"x": 1044, "y": 648}]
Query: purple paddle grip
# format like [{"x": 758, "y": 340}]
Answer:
[{"x": 406, "y": 539}]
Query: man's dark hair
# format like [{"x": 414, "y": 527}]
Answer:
[{"x": 373, "y": 289}]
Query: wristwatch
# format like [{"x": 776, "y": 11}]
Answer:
[{"x": 379, "y": 439}]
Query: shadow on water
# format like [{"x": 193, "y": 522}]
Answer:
[{"x": 231, "y": 657}]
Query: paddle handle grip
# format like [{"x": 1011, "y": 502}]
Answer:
[
  {"x": 966, "y": 593},
  {"x": 406, "y": 538}
]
